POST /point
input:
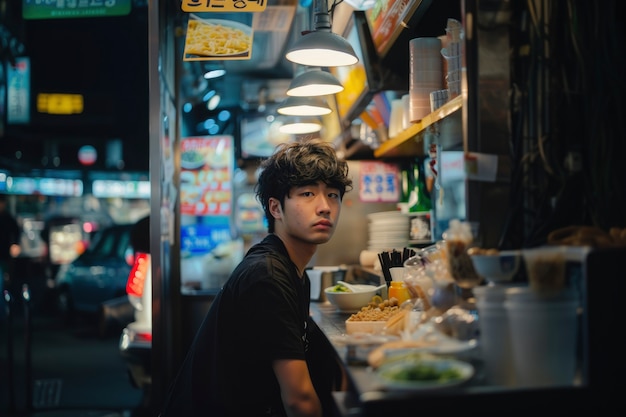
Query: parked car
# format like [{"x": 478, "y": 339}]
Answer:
[
  {"x": 136, "y": 340},
  {"x": 97, "y": 275}
]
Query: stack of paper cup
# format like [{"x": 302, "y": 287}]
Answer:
[
  {"x": 438, "y": 98},
  {"x": 425, "y": 69},
  {"x": 452, "y": 53}
]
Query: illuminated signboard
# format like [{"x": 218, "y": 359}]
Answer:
[
  {"x": 3, "y": 181},
  {"x": 18, "y": 91},
  {"x": 60, "y": 103},
  {"x": 202, "y": 238},
  {"x": 207, "y": 164},
  {"x": 126, "y": 189},
  {"x": 224, "y": 5},
  {"x": 387, "y": 19},
  {"x": 44, "y": 186},
  {"x": 57, "y": 9},
  {"x": 3, "y": 99}
]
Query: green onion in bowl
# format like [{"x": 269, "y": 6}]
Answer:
[{"x": 340, "y": 288}]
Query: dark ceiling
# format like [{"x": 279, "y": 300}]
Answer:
[
  {"x": 283, "y": 22},
  {"x": 106, "y": 61}
]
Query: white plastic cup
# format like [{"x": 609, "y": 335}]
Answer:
[
  {"x": 406, "y": 108},
  {"x": 543, "y": 333},
  {"x": 396, "y": 116},
  {"x": 495, "y": 344},
  {"x": 495, "y": 340},
  {"x": 397, "y": 273}
]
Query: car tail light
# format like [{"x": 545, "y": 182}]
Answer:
[
  {"x": 143, "y": 337},
  {"x": 137, "y": 277}
]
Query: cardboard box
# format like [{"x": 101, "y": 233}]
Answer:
[{"x": 365, "y": 326}]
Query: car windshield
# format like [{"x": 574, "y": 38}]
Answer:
[{"x": 112, "y": 242}]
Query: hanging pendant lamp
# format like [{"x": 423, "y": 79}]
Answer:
[
  {"x": 300, "y": 125},
  {"x": 314, "y": 82},
  {"x": 322, "y": 46},
  {"x": 304, "y": 106}
]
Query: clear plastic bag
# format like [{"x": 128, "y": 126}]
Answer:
[{"x": 458, "y": 238}]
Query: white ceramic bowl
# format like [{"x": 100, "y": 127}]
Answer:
[
  {"x": 500, "y": 267},
  {"x": 351, "y": 302}
]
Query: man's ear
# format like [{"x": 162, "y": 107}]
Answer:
[{"x": 275, "y": 208}]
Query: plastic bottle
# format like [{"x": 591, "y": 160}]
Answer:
[
  {"x": 398, "y": 290},
  {"x": 406, "y": 187},
  {"x": 421, "y": 217}
]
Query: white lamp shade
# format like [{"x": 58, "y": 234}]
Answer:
[
  {"x": 300, "y": 126},
  {"x": 304, "y": 106},
  {"x": 314, "y": 83},
  {"x": 322, "y": 48}
]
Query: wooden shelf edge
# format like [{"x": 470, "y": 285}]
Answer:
[{"x": 391, "y": 146}]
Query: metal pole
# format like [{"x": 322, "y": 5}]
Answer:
[
  {"x": 27, "y": 348},
  {"x": 10, "y": 364}
]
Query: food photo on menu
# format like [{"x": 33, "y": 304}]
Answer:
[
  {"x": 205, "y": 178},
  {"x": 218, "y": 36}
]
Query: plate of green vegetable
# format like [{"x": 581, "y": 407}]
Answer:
[{"x": 423, "y": 373}]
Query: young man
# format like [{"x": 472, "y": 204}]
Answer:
[{"x": 255, "y": 352}]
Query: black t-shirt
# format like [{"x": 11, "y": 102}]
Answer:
[
  {"x": 264, "y": 309},
  {"x": 260, "y": 315}
]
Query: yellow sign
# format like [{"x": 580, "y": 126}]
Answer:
[
  {"x": 195, "y": 6},
  {"x": 60, "y": 103}
]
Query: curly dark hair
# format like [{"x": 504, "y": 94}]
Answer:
[{"x": 298, "y": 164}]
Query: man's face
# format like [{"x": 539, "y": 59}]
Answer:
[{"x": 310, "y": 213}]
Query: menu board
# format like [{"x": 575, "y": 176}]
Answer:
[
  {"x": 387, "y": 19},
  {"x": 206, "y": 174},
  {"x": 361, "y": 81}
]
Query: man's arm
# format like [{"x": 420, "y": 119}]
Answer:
[{"x": 297, "y": 391}]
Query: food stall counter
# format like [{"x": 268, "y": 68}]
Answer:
[{"x": 366, "y": 396}]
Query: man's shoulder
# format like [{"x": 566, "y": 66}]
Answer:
[
  {"x": 263, "y": 262},
  {"x": 269, "y": 250}
]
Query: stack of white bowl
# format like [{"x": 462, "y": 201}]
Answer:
[
  {"x": 388, "y": 230},
  {"x": 426, "y": 75}
]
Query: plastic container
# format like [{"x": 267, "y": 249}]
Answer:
[
  {"x": 544, "y": 331},
  {"x": 398, "y": 290}
]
